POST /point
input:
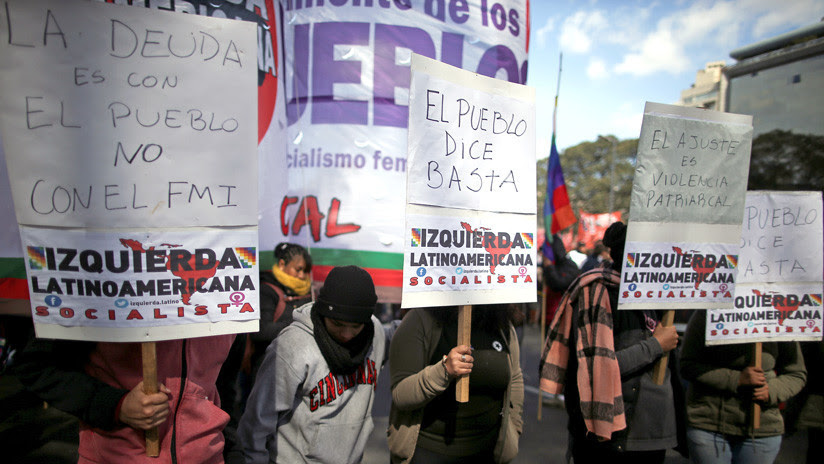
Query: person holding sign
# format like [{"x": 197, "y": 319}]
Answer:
[
  {"x": 617, "y": 413},
  {"x": 724, "y": 384},
  {"x": 426, "y": 424},
  {"x": 312, "y": 400},
  {"x": 101, "y": 383}
]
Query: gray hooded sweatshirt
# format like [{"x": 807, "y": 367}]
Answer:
[{"x": 299, "y": 411}]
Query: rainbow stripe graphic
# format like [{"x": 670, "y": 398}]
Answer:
[
  {"x": 733, "y": 261},
  {"x": 630, "y": 260},
  {"x": 37, "y": 258},
  {"x": 247, "y": 256},
  {"x": 529, "y": 239},
  {"x": 816, "y": 297},
  {"x": 416, "y": 237}
]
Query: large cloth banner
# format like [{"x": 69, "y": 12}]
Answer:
[
  {"x": 112, "y": 129},
  {"x": 470, "y": 215},
  {"x": 14, "y": 292},
  {"x": 346, "y": 81},
  {"x": 686, "y": 209},
  {"x": 780, "y": 279},
  {"x": 591, "y": 227}
]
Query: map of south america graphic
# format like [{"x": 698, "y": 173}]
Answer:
[
  {"x": 492, "y": 246},
  {"x": 189, "y": 275},
  {"x": 703, "y": 270}
]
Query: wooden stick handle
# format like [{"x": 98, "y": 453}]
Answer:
[
  {"x": 756, "y": 408},
  {"x": 660, "y": 370},
  {"x": 464, "y": 338},
  {"x": 149, "y": 387}
]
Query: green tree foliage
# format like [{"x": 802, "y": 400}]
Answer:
[
  {"x": 587, "y": 173},
  {"x": 781, "y": 160}
]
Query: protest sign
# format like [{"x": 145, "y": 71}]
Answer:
[
  {"x": 271, "y": 122},
  {"x": 110, "y": 117},
  {"x": 686, "y": 209},
  {"x": 779, "y": 286},
  {"x": 114, "y": 285},
  {"x": 346, "y": 86},
  {"x": 113, "y": 134},
  {"x": 470, "y": 216}
]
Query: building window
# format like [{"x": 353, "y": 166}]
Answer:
[{"x": 796, "y": 78}]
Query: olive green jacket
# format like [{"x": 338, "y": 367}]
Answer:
[
  {"x": 716, "y": 403},
  {"x": 417, "y": 337}
]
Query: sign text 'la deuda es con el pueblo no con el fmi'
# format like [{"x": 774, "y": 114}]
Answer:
[
  {"x": 135, "y": 223},
  {"x": 124, "y": 94}
]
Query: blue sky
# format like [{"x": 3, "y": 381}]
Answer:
[{"x": 618, "y": 54}]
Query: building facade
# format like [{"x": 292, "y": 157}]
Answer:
[{"x": 779, "y": 81}]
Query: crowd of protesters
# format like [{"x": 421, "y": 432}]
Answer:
[
  {"x": 603, "y": 361},
  {"x": 307, "y": 379}
]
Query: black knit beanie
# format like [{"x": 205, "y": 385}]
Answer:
[
  {"x": 615, "y": 237},
  {"x": 348, "y": 294}
]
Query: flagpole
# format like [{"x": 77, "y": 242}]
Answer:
[
  {"x": 547, "y": 231},
  {"x": 557, "y": 91}
]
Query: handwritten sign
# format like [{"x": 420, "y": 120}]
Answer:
[
  {"x": 139, "y": 118},
  {"x": 129, "y": 134},
  {"x": 778, "y": 292},
  {"x": 686, "y": 209},
  {"x": 467, "y": 146},
  {"x": 470, "y": 190}
]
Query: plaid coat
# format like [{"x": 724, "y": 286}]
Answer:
[{"x": 598, "y": 375}]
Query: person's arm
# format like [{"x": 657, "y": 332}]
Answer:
[
  {"x": 639, "y": 355},
  {"x": 53, "y": 370},
  {"x": 278, "y": 382},
  {"x": 694, "y": 359},
  {"x": 414, "y": 382},
  {"x": 791, "y": 373}
]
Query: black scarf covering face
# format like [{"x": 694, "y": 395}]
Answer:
[{"x": 342, "y": 359}]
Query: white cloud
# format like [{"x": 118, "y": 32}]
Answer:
[
  {"x": 578, "y": 30},
  {"x": 597, "y": 69},
  {"x": 665, "y": 48},
  {"x": 659, "y": 52},
  {"x": 797, "y": 13},
  {"x": 542, "y": 32},
  {"x": 625, "y": 24},
  {"x": 626, "y": 120},
  {"x": 708, "y": 30}
]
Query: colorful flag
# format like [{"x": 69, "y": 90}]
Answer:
[{"x": 558, "y": 214}]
